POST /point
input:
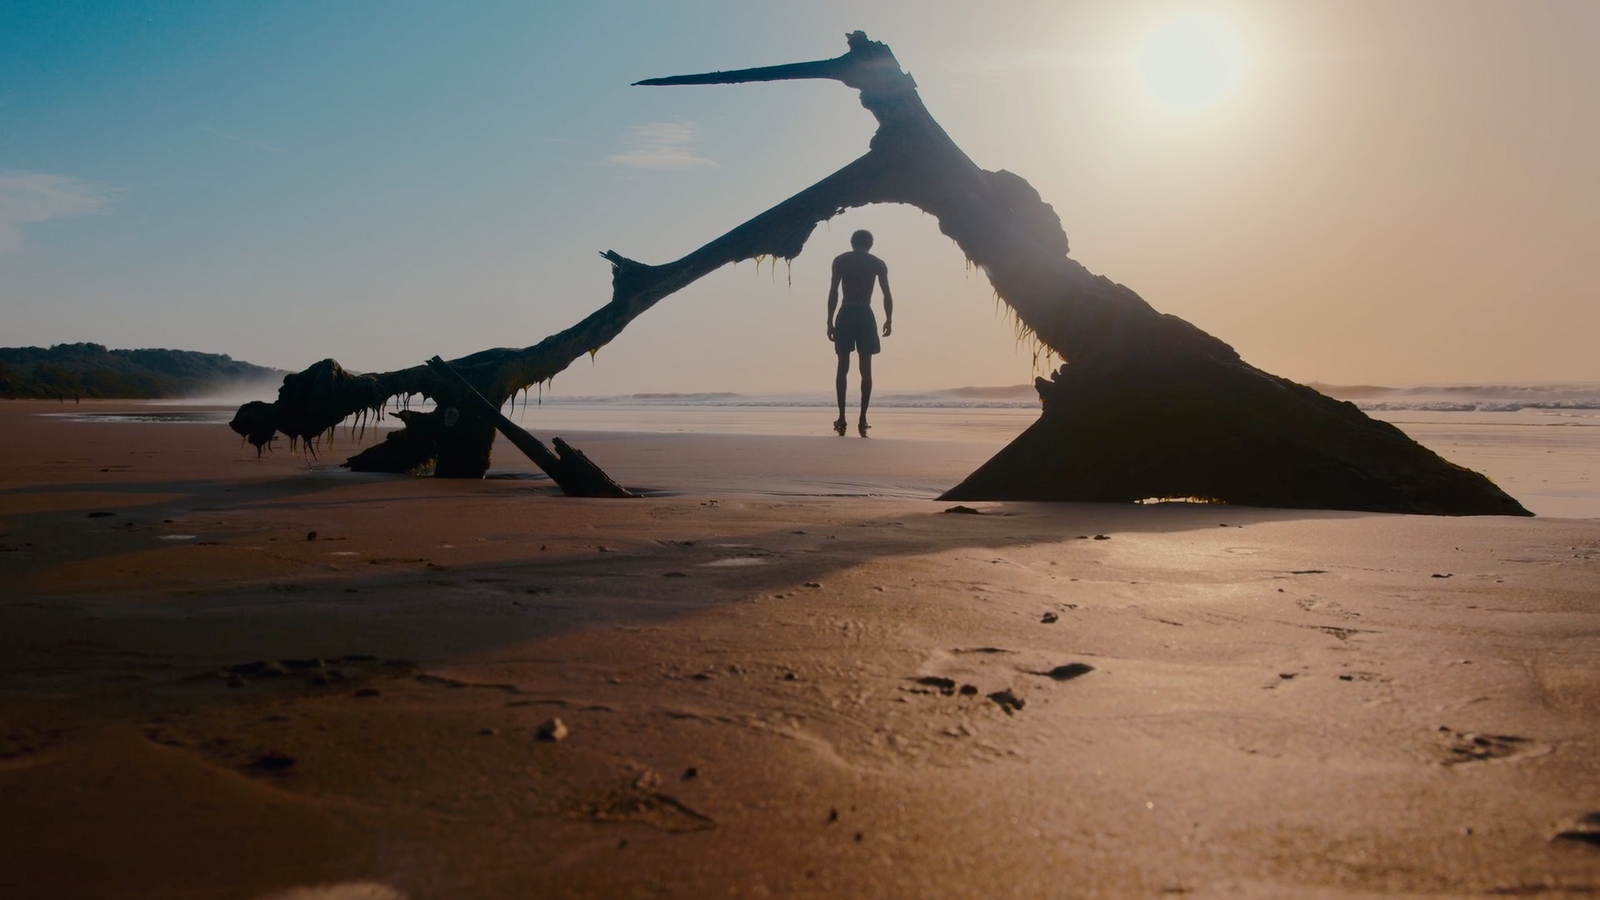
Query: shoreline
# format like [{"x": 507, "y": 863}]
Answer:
[{"x": 1552, "y": 467}]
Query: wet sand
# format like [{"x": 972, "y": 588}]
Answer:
[{"x": 258, "y": 676}]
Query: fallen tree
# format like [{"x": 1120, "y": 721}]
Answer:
[
  {"x": 1145, "y": 404},
  {"x": 567, "y": 467}
]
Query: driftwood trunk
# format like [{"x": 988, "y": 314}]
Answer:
[
  {"x": 1146, "y": 404},
  {"x": 567, "y": 467}
]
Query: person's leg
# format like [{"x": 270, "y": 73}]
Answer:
[
  {"x": 866, "y": 391},
  {"x": 840, "y": 382}
]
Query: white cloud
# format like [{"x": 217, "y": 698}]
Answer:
[
  {"x": 662, "y": 145},
  {"x": 37, "y": 197}
]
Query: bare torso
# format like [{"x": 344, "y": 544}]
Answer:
[{"x": 856, "y": 272}]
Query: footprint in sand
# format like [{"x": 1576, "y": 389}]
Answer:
[
  {"x": 1067, "y": 672},
  {"x": 1584, "y": 830},
  {"x": 945, "y": 686},
  {"x": 1469, "y": 747},
  {"x": 1008, "y": 701},
  {"x": 639, "y": 802}
]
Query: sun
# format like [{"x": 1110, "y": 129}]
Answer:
[{"x": 1191, "y": 62}]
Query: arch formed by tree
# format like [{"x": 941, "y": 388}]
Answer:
[{"x": 1145, "y": 404}]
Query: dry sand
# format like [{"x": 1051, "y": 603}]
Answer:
[{"x": 765, "y": 694}]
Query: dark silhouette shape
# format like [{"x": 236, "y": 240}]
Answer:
[
  {"x": 1146, "y": 405},
  {"x": 567, "y": 467},
  {"x": 1068, "y": 671},
  {"x": 855, "y": 328}
]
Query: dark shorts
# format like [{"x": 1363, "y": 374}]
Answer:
[{"x": 855, "y": 328}]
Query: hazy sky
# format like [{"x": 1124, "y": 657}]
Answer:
[{"x": 1392, "y": 192}]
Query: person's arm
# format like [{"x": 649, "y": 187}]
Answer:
[
  {"x": 888, "y": 301},
  {"x": 833, "y": 297}
]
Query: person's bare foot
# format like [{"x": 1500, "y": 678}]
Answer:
[
  {"x": 861, "y": 427},
  {"x": 840, "y": 426}
]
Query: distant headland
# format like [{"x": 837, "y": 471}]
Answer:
[{"x": 90, "y": 371}]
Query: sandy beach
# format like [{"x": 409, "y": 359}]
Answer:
[{"x": 223, "y": 677}]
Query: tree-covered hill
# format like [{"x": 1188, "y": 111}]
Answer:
[{"x": 70, "y": 371}]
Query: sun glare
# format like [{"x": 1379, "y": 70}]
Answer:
[{"x": 1191, "y": 62}]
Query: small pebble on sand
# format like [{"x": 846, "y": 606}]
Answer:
[{"x": 552, "y": 730}]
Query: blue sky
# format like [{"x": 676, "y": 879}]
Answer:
[{"x": 1399, "y": 193}]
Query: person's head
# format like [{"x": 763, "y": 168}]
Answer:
[{"x": 861, "y": 240}]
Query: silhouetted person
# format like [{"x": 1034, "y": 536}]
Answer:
[{"x": 856, "y": 329}]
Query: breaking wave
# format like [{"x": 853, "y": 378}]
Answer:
[
  {"x": 1373, "y": 398},
  {"x": 1576, "y": 396}
]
